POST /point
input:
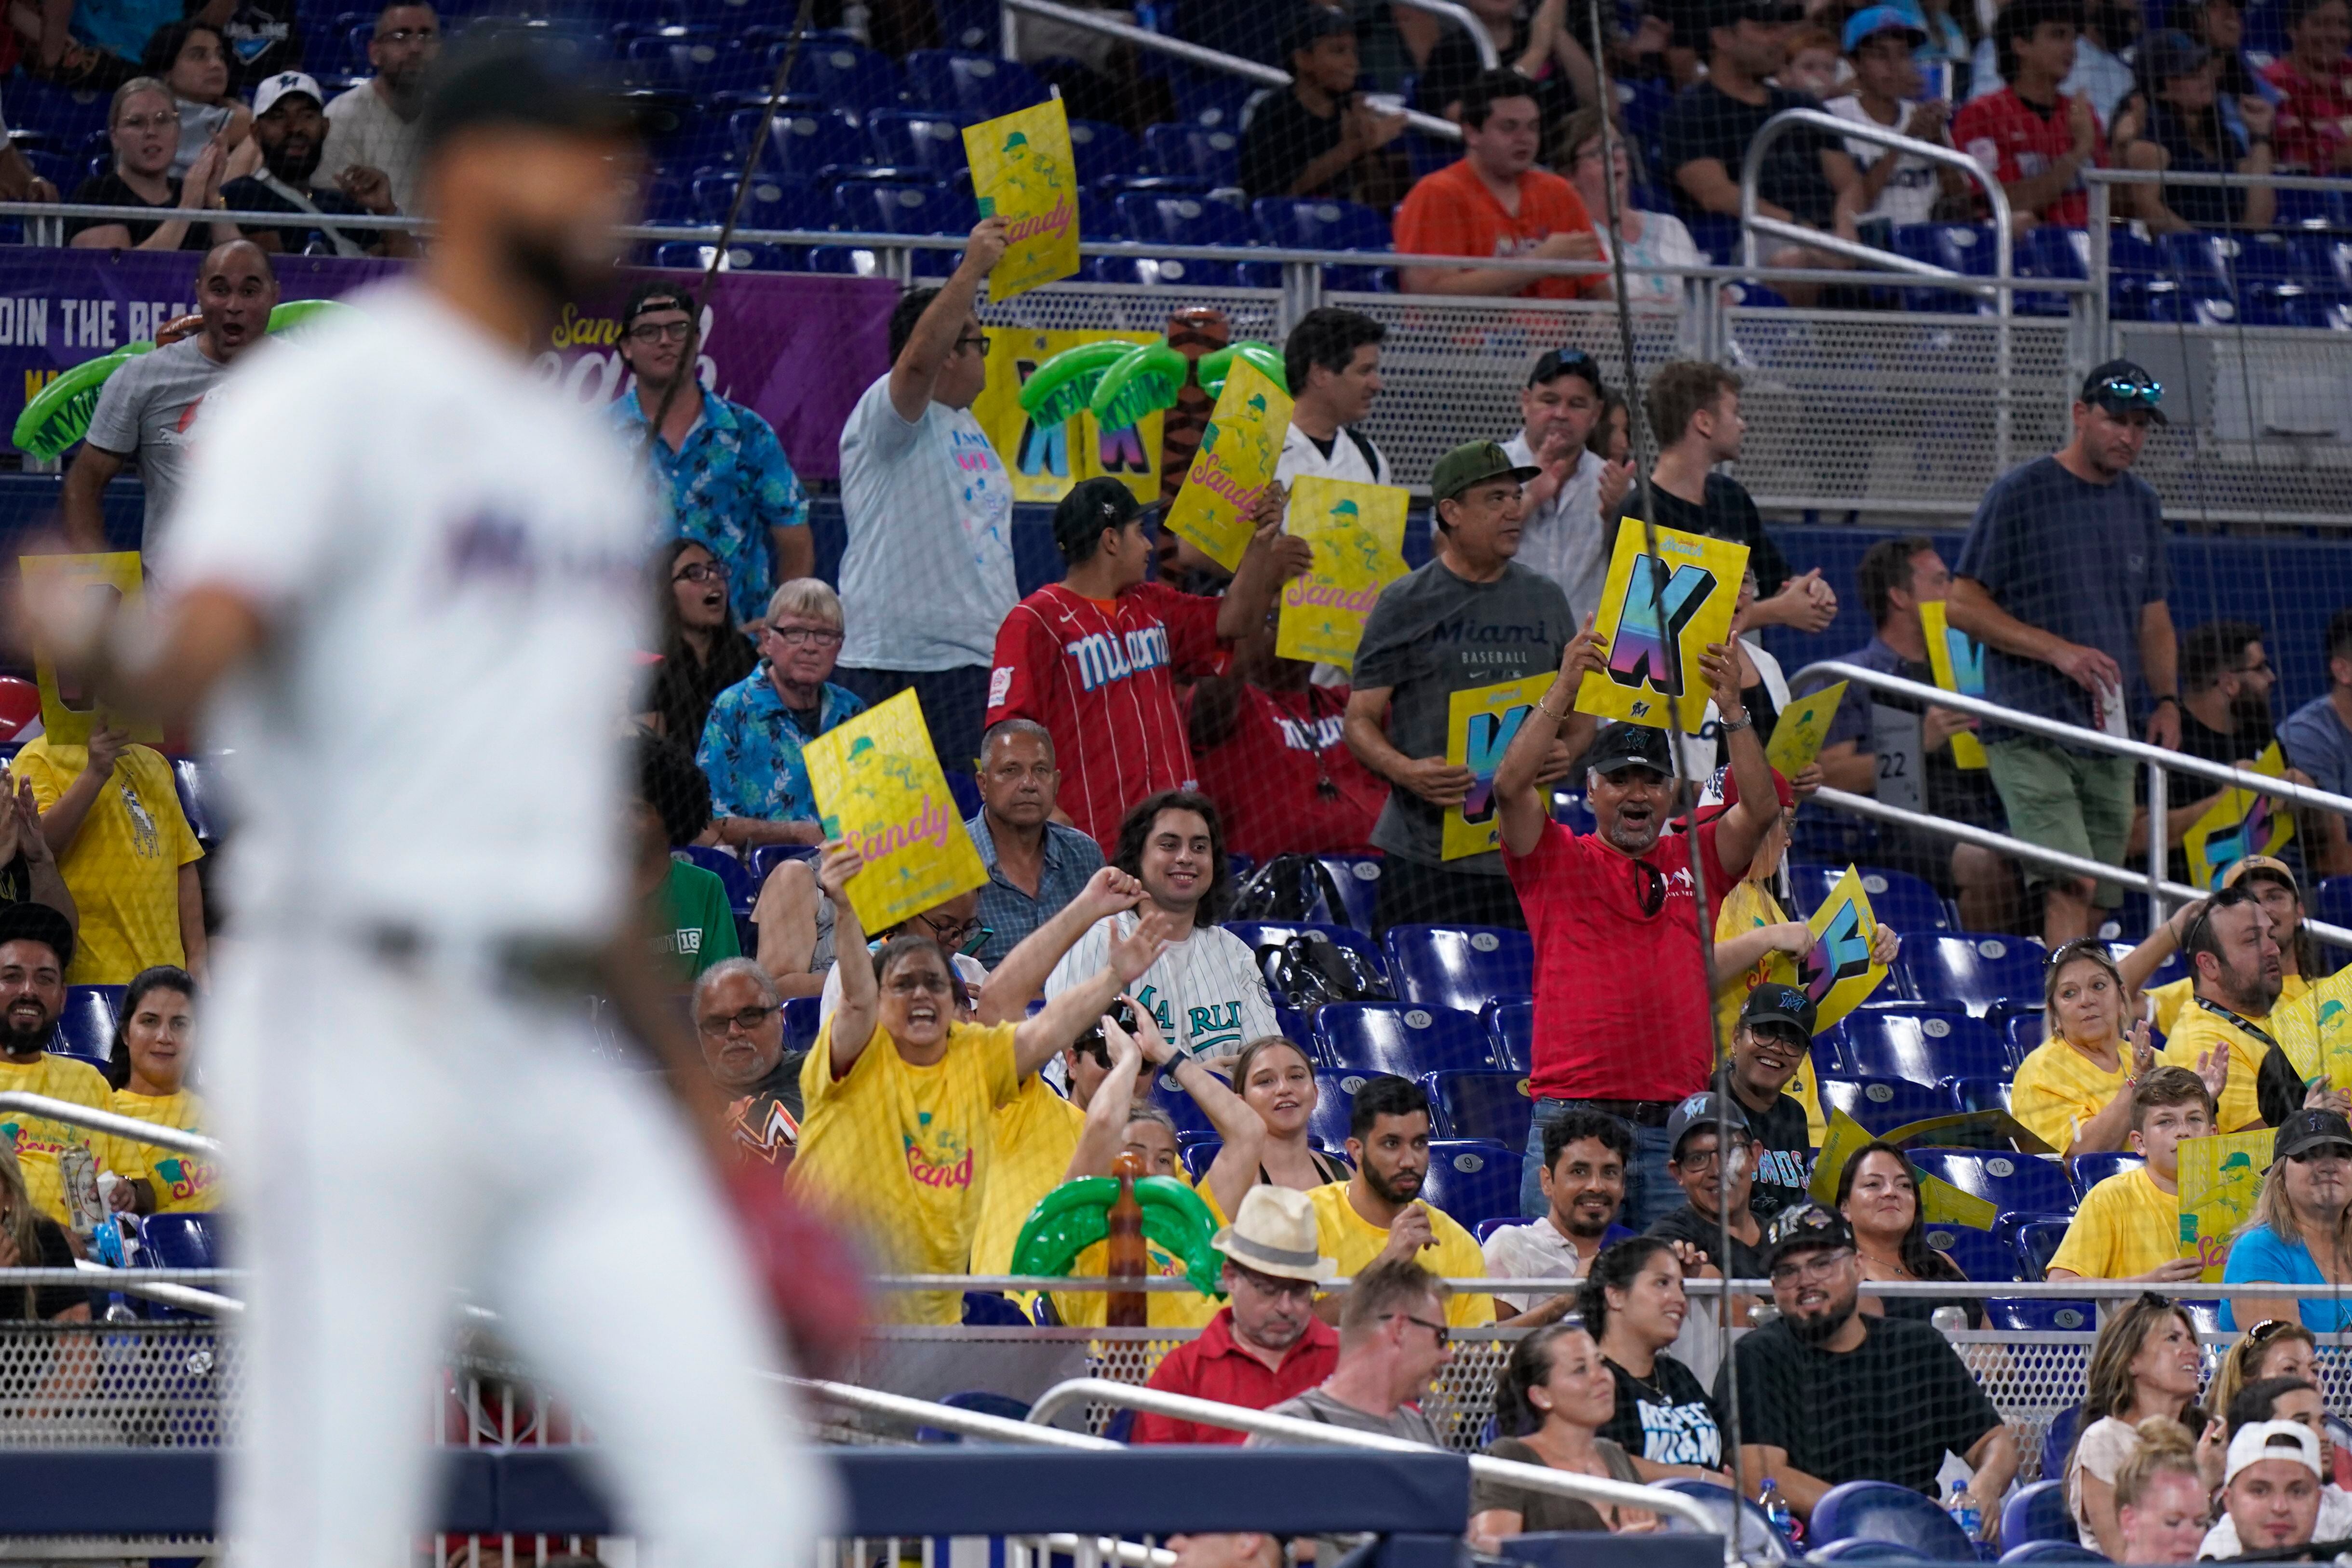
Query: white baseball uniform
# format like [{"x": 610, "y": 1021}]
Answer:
[{"x": 427, "y": 770}]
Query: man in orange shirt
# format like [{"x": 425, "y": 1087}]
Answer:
[{"x": 1495, "y": 202}]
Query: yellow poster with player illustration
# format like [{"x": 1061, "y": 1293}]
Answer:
[
  {"x": 1804, "y": 725},
  {"x": 2239, "y": 823},
  {"x": 1658, "y": 613},
  {"x": 1839, "y": 974},
  {"x": 1957, "y": 660},
  {"x": 1479, "y": 723},
  {"x": 879, "y": 786},
  {"x": 2219, "y": 1178},
  {"x": 1045, "y": 461},
  {"x": 1023, "y": 171},
  {"x": 2316, "y": 1031},
  {"x": 1235, "y": 464},
  {"x": 1358, "y": 533},
  {"x": 70, "y": 711}
]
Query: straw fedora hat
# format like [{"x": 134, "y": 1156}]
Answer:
[{"x": 1275, "y": 1233}]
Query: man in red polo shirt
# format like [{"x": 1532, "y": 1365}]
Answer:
[
  {"x": 1094, "y": 657},
  {"x": 1268, "y": 1345},
  {"x": 1623, "y": 1024},
  {"x": 1495, "y": 202}
]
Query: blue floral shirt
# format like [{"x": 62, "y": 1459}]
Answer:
[
  {"x": 750, "y": 749},
  {"x": 726, "y": 488}
]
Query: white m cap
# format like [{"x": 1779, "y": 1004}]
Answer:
[
  {"x": 274, "y": 88},
  {"x": 2262, "y": 1440}
]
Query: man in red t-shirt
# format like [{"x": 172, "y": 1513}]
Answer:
[
  {"x": 1495, "y": 202},
  {"x": 1273, "y": 751},
  {"x": 1623, "y": 1024},
  {"x": 1094, "y": 657},
  {"x": 2314, "y": 122},
  {"x": 2034, "y": 141},
  {"x": 1268, "y": 1346}
]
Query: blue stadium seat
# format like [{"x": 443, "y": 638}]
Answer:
[
  {"x": 1896, "y": 898},
  {"x": 2090, "y": 1170},
  {"x": 1189, "y": 1119},
  {"x": 1459, "y": 966},
  {"x": 184, "y": 1241},
  {"x": 1358, "y": 878},
  {"x": 2200, "y": 258},
  {"x": 1260, "y": 932},
  {"x": 768, "y": 857},
  {"x": 1215, "y": 102},
  {"x": 1972, "y": 1094},
  {"x": 2036, "y": 1238},
  {"x": 194, "y": 790},
  {"x": 2269, "y": 254},
  {"x": 698, "y": 61},
  {"x": 973, "y": 87},
  {"x": 2049, "y": 251},
  {"x": 2309, "y": 210},
  {"x": 1154, "y": 219},
  {"x": 740, "y": 893},
  {"x": 916, "y": 139},
  {"x": 1311, "y": 223},
  {"x": 1856, "y": 1549},
  {"x": 1973, "y": 969},
  {"x": 987, "y": 1309},
  {"x": 2023, "y": 1034},
  {"x": 1173, "y": 272},
  {"x": 970, "y": 25},
  {"x": 1335, "y": 1100},
  {"x": 1881, "y": 1105},
  {"x": 899, "y": 207},
  {"x": 800, "y": 141},
  {"x": 2194, "y": 302},
  {"x": 742, "y": 255},
  {"x": 1964, "y": 248},
  {"x": 2058, "y": 1437},
  {"x": 1104, "y": 150},
  {"x": 2268, "y": 303},
  {"x": 2051, "y": 1552},
  {"x": 1494, "y": 1106},
  {"x": 2011, "y": 1314},
  {"x": 1511, "y": 1033},
  {"x": 980, "y": 1402},
  {"x": 1202, "y": 151},
  {"x": 802, "y": 1021},
  {"x": 1472, "y": 1181},
  {"x": 1198, "y": 1155},
  {"x": 2332, "y": 901},
  {"x": 1980, "y": 1254},
  {"x": 841, "y": 72},
  {"x": 1401, "y": 1038},
  {"x": 2038, "y": 1513},
  {"x": 844, "y": 260},
  {"x": 2014, "y": 1184},
  {"x": 1919, "y": 1044},
  {"x": 1880, "y": 1510}
]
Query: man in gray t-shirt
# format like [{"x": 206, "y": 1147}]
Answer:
[
  {"x": 147, "y": 410},
  {"x": 1472, "y": 617}
]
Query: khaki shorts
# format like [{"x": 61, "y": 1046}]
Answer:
[{"x": 2080, "y": 805}]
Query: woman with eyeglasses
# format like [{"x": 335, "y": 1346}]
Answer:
[
  {"x": 2145, "y": 1363},
  {"x": 703, "y": 655},
  {"x": 901, "y": 1092},
  {"x": 751, "y": 745},
  {"x": 1633, "y": 1304},
  {"x": 1554, "y": 1395},
  {"x": 1878, "y": 1193},
  {"x": 2297, "y": 1234},
  {"x": 144, "y": 123},
  {"x": 1651, "y": 239}
]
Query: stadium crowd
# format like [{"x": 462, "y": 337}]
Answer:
[{"x": 1130, "y": 738}]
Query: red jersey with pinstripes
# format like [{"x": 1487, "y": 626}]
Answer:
[{"x": 1102, "y": 680}]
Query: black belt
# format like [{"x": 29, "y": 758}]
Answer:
[{"x": 1640, "y": 1113}]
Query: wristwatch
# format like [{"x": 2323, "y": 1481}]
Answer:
[{"x": 1733, "y": 726}]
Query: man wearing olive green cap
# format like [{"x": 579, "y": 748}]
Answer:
[{"x": 1472, "y": 617}]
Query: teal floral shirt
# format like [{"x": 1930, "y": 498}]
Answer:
[
  {"x": 750, "y": 749},
  {"x": 730, "y": 485}
]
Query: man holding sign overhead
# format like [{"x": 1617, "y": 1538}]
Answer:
[{"x": 1473, "y": 618}]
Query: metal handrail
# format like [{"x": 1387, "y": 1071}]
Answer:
[
  {"x": 1265, "y": 1423},
  {"x": 96, "y": 1121},
  {"x": 1462, "y": 17},
  {"x": 947, "y": 1417}
]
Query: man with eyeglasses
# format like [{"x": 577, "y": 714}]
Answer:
[
  {"x": 374, "y": 125},
  {"x": 738, "y": 1020},
  {"x": 1393, "y": 1340},
  {"x": 751, "y": 748},
  {"x": 724, "y": 478},
  {"x": 1564, "y": 537},
  {"x": 2063, "y": 578},
  {"x": 1828, "y": 1393},
  {"x": 927, "y": 569},
  {"x": 1712, "y": 1159}
]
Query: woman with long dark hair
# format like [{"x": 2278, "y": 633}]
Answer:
[
  {"x": 1878, "y": 1193},
  {"x": 1274, "y": 1077},
  {"x": 1633, "y": 1303},
  {"x": 154, "y": 1047},
  {"x": 701, "y": 652},
  {"x": 1554, "y": 1395}
]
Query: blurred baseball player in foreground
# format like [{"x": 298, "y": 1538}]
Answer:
[{"x": 404, "y": 579}]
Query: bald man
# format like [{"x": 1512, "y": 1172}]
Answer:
[{"x": 149, "y": 407}]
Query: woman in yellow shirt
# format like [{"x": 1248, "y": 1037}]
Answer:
[
  {"x": 2074, "y": 1093},
  {"x": 154, "y": 1044}
]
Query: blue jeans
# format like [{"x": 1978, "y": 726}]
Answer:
[{"x": 1650, "y": 1192}]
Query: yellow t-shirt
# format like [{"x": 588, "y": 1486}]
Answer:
[
  {"x": 2124, "y": 1228},
  {"x": 37, "y": 1140},
  {"x": 2057, "y": 1089},
  {"x": 1036, "y": 1136},
  {"x": 1751, "y": 906},
  {"x": 2200, "y": 1032},
  {"x": 902, "y": 1153},
  {"x": 1355, "y": 1242},
  {"x": 1163, "y": 1309},
  {"x": 123, "y": 868},
  {"x": 2169, "y": 999},
  {"x": 184, "y": 1183}
]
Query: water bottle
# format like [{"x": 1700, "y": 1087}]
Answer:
[
  {"x": 1965, "y": 1513},
  {"x": 1784, "y": 1518}
]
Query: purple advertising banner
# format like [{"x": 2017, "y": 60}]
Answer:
[{"x": 798, "y": 348}]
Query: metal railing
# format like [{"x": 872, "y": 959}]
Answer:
[
  {"x": 2100, "y": 185},
  {"x": 2158, "y": 760},
  {"x": 94, "y": 1119}
]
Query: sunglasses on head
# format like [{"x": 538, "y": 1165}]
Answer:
[
  {"x": 2130, "y": 391},
  {"x": 2199, "y": 927}
]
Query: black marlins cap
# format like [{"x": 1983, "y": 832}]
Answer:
[
  {"x": 2120, "y": 386},
  {"x": 1806, "y": 1228},
  {"x": 1779, "y": 1004},
  {"x": 2308, "y": 1130},
  {"x": 1622, "y": 745}
]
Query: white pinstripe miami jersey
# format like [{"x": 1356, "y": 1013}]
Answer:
[
  {"x": 1102, "y": 680},
  {"x": 1205, "y": 993}
]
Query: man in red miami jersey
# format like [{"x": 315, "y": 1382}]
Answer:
[{"x": 1096, "y": 657}]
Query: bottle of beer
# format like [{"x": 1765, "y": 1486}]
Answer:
[{"x": 1128, "y": 1258}]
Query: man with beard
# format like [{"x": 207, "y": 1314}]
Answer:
[
  {"x": 377, "y": 124},
  {"x": 147, "y": 410},
  {"x": 406, "y": 505},
  {"x": 2231, "y": 948},
  {"x": 2225, "y": 717},
  {"x": 290, "y": 128},
  {"x": 1775, "y": 1033},
  {"x": 35, "y": 945},
  {"x": 1830, "y": 1393},
  {"x": 1376, "y": 1216},
  {"x": 1623, "y": 1019},
  {"x": 1584, "y": 1158},
  {"x": 740, "y": 1021}
]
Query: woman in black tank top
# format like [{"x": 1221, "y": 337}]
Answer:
[{"x": 1278, "y": 1082}]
